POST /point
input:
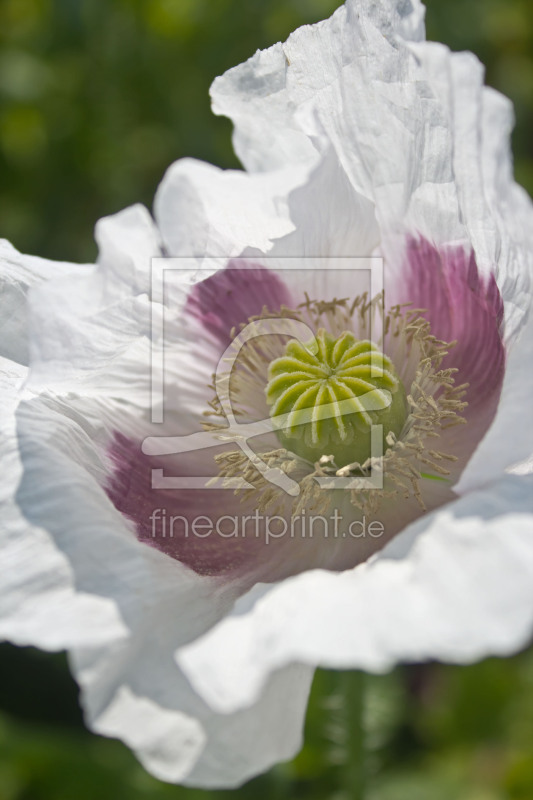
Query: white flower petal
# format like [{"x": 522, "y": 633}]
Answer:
[
  {"x": 131, "y": 684},
  {"x": 411, "y": 124},
  {"x": 510, "y": 437},
  {"x": 256, "y": 98},
  {"x": 497, "y": 213},
  {"x": 205, "y": 211},
  {"x": 127, "y": 241},
  {"x": 41, "y": 602},
  {"x": 454, "y": 586},
  {"x": 262, "y": 95},
  {"x": 331, "y": 219},
  {"x": 141, "y": 696},
  {"x": 93, "y": 333},
  {"x": 166, "y": 742},
  {"x": 91, "y": 329},
  {"x": 353, "y": 82},
  {"x": 17, "y": 274}
]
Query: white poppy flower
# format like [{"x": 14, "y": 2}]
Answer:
[{"x": 360, "y": 140}]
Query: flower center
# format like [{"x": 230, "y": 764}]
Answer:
[{"x": 324, "y": 398}]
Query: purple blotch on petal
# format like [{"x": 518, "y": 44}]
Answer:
[
  {"x": 232, "y": 295},
  {"x": 462, "y": 306},
  {"x": 130, "y": 490}
]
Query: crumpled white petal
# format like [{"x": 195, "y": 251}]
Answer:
[
  {"x": 97, "y": 335},
  {"x": 205, "y": 211},
  {"x": 175, "y": 734},
  {"x": 331, "y": 220},
  {"x": 455, "y": 586},
  {"x": 40, "y": 602},
  {"x": 76, "y": 576},
  {"x": 509, "y": 440},
  {"x": 497, "y": 213},
  {"x": 412, "y": 127},
  {"x": 131, "y": 684},
  {"x": 262, "y": 95},
  {"x": 17, "y": 274},
  {"x": 352, "y": 82}
]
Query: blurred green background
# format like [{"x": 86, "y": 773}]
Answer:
[{"x": 97, "y": 98}]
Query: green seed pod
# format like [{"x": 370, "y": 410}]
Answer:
[{"x": 326, "y": 403}]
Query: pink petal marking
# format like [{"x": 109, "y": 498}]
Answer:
[
  {"x": 461, "y": 305},
  {"x": 216, "y": 305},
  {"x": 232, "y": 295},
  {"x": 130, "y": 490}
]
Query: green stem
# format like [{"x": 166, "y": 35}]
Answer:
[{"x": 353, "y": 777}]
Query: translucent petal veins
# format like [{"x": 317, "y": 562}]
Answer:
[{"x": 326, "y": 403}]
